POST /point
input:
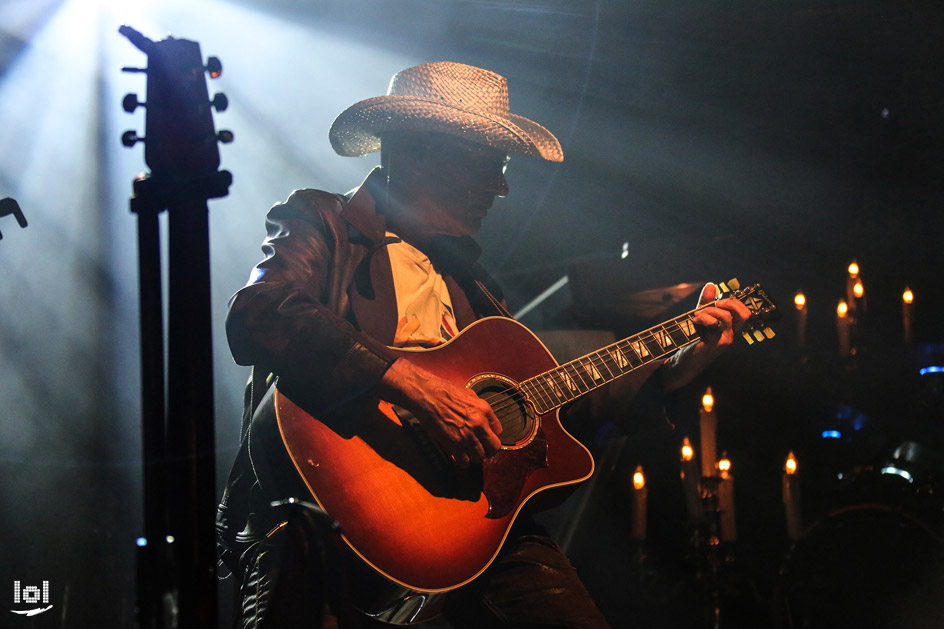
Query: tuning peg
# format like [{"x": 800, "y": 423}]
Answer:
[
  {"x": 220, "y": 102},
  {"x": 747, "y": 337},
  {"x": 769, "y": 333},
  {"x": 214, "y": 67},
  {"x": 130, "y": 102},
  {"x": 225, "y": 136},
  {"x": 734, "y": 283},
  {"x": 130, "y": 138}
]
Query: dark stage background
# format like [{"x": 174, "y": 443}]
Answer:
[{"x": 774, "y": 142}]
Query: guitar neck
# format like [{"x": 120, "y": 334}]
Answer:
[{"x": 552, "y": 389}]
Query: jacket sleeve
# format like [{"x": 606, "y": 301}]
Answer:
[{"x": 279, "y": 320}]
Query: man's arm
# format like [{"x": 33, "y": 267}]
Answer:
[
  {"x": 279, "y": 321},
  {"x": 720, "y": 323},
  {"x": 466, "y": 428}
]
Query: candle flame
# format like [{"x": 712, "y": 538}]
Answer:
[
  {"x": 639, "y": 481},
  {"x": 853, "y": 268},
  {"x": 790, "y": 467},
  {"x": 688, "y": 453},
  {"x": 724, "y": 466},
  {"x": 842, "y": 309},
  {"x": 800, "y": 301},
  {"x": 708, "y": 400},
  {"x": 858, "y": 290},
  {"x": 907, "y": 296}
]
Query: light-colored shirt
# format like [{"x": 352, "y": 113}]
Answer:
[{"x": 424, "y": 309}]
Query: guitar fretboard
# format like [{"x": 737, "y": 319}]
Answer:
[{"x": 571, "y": 380}]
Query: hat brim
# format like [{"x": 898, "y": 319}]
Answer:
[{"x": 357, "y": 130}]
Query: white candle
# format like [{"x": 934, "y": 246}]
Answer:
[
  {"x": 800, "y": 303},
  {"x": 791, "y": 499},
  {"x": 850, "y": 286},
  {"x": 708, "y": 426},
  {"x": 726, "y": 502},
  {"x": 640, "y": 492},
  {"x": 907, "y": 313},
  {"x": 690, "y": 482},
  {"x": 842, "y": 329}
]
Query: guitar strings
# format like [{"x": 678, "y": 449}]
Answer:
[
  {"x": 513, "y": 396},
  {"x": 595, "y": 360}
]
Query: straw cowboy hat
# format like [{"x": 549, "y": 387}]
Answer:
[{"x": 444, "y": 97}]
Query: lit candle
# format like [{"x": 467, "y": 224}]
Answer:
[
  {"x": 851, "y": 284},
  {"x": 858, "y": 290},
  {"x": 800, "y": 302},
  {"x": 907, "y": 312},
  {"x": 726, "y": 501},
  {"x": 859, "y": 300},
  {"x": 690, "y": 481},
  {"x": 791, "y": 498},
  {"x": 708, "y": 426},
  {"x": 842, "y": 329},
  {"x": 639, "y": 505}
]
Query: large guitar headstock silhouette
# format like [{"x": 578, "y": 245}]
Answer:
[{"x": 180, "y": 138}]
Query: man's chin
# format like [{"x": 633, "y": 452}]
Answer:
[{"x": 474, "y": 224}]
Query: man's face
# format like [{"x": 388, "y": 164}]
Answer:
[{"x": 459, "y": 181}]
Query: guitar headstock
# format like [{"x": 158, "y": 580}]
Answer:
[
  {"x": 762, "y": 307},
  {"x": 180, "y": 138}
]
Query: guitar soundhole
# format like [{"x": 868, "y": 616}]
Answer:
[{"x": 510, "y": 406}]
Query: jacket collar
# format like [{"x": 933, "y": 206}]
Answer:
[{"x": 361, "y": 210}]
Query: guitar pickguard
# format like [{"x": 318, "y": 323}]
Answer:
[{"x": 505, "y": 473}]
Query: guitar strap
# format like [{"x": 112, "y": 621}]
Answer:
[{"x": 498, "y": 305}]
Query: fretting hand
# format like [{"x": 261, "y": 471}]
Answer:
[{"x": 720, "y": 322}]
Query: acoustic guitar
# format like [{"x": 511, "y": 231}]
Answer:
[{"x": 405, "y": 509}]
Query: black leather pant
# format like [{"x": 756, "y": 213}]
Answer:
[{"x": 530, "y": 585}]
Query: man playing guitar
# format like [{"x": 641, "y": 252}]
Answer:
[{"x": 347, "y": 281}]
